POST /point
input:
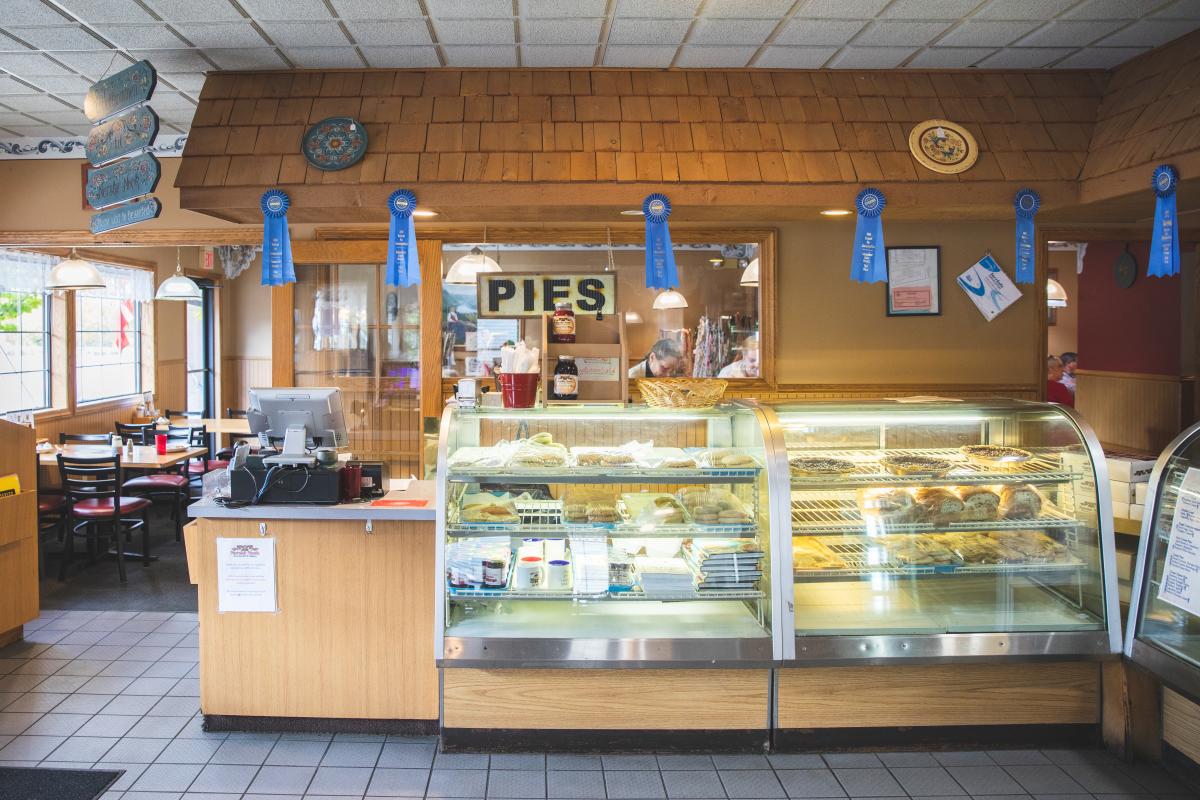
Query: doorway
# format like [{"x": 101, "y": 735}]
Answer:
[{"x": 200, "y": 333}]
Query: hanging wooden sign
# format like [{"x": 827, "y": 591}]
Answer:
[
  {"x": 508, "y": 294},
  {"x": 125, "y": 180},
  {"x": 114, "y": 94},
  {"x": 125, "y": 134},
  {"x": 121, "y": 216}
]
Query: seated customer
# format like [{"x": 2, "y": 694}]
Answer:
[
  {"x": 1055, "y": 391},
  {"x": 665, "y": 360},
  {"x": 747, "y": 365},
  {"x": 1069, "y": 361}
]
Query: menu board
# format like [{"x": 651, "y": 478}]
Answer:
[{"x": 1181, "y": 573}]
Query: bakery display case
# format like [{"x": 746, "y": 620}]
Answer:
[
  {"x": 939, "y": 530},
  {"x": 605, "y": 536}
]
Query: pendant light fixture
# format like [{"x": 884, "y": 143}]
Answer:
[
  {"x": 668, "y": 300},
  {"x": 178, "y": 286},
  {"x": 74, "y": 273},
  {"x": 1056, "y": 295},
  {"x": 467, "y": 268},
  {"x": 750, "y": 274}
]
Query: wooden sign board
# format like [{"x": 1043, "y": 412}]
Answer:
[
  {"x": 130, "y": 214},
  {"x": 510, "y": 294},
  {"x": 125, "y": 180},
  {"x": 127, "y": 133},
  {"x": 129, "y": 87}
]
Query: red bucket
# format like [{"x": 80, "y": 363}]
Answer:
[{"x": 519, "y": 389}]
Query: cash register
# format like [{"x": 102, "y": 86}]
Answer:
[{"x": 291, "y": 423}]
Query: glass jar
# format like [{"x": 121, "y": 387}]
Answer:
[
  {"x": 566, "y": 379},
  {"x": 562, "y": 324}
]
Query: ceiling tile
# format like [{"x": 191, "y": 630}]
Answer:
[
  {"x": 33, "y": 103},
  {"x": 949, "y": 57},
  {"x": 11, "y": 45},
  {"x": 35, "y": 131},
  {"x": 190, "y": 82},
  {"x": 665, "y": 9},
  {"x": 13, "y": 118},
  {"x": 26, "y": 65},
  {"x": 175, "y": 60},
  {"x": 68, "y": 116},
  {"x": 731, "y": 31},
  {"x": 59, "y": 84},
  {"x": 777, "y": 57},
  {"x": 1024, "y": 57},
  {"x": 692, "y": 55},
  {"x": 95, "y": 64},
  {"x": 196, "y": 10},
  {"x": 305, "y": 34},
  {"x": 377, "y": 9},
  {"x": 392, "y": 32},
  {"x": 1148, "y": 33},
  {"x": 841, "y": 9},
  {"x": 324, "y": 57},
  {"x": 638, "y": 56},
  {"x": 562, "y": 8},
  {"x": 10, "y": 85},
  {"x": 1023, "y": 9},
  {"x": 140, "y": 37},
  {"x": 748, "y": 9},
  {"x": 1113, "y": 9},
  {"x": 659, "y": 31},
  {"x": 32, "y": 12},
  {"x": 61, "y": 37},
  {"x": 972, "y": 33},
  {"x": 561, "y": 31},
  {"x": 475, "y": 31},
  {"x": 929, "y": 9},
  {"x": 397, "y": 57},
  {"x": 895, "y": 34},
  {"x": 1180, "y": 9},
  {"x": 171, "y": 101},
  {"x": 470, "y": 9},
  {"x": 558, "y": 55},
  {"x": 246, "y": 58},
  {"x": 222, "y": 34},
  {"x": 870, "y": 57},
  {"x": 1066, "y": 33},
  {"x": 286, "y": 10},
  {"x": 107, "y": 11},
  {"x": 481, "y": 56},
  {"x": 1100, "y": 57},
  {"x": 819, "y": 31}
]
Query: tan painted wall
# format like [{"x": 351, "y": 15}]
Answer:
[{"x": 1064, "y": 337}]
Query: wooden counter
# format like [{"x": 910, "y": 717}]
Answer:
[
  {"x": 350, "y": 648},
  {"x": 18, "y": 533}
]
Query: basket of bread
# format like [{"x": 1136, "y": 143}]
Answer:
[{"x": 681, "y": 392}]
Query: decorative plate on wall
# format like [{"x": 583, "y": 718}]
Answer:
[
  {"x": 335, "y": 143},
  {"x": 1125, "y": 270},
  {"x": 943, "y": 146}
]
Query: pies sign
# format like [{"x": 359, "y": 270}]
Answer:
[
  {"x": 943, "y": 146},
  {"x": 508, "y": 294}
]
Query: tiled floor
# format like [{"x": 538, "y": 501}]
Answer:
[{"x": 119, "y": 690}]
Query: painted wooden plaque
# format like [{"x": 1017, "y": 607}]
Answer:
[
  {"x": 335, "y": 143},
  {"x": 128, "y": 88},
  {"x": 121, "y": 216},
  {"x": 125, "y": 180},
  {"x": 125, "y": 133}
]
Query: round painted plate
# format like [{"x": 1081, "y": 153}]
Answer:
[{"x": 335, "y": 143}]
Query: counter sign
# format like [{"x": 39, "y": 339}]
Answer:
[{"x": 511, "y": 295}]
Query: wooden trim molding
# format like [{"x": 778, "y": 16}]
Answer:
[
  {"x": 621, "y": 232},
  {"x": 1132, "y": 376},
  {"x": 242, "y": 234},
  {"x": 283, "y": 335}
]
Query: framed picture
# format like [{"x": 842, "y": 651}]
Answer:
[{"x": 914, "y": 281}]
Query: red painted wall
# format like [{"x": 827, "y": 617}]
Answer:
[{"x": 1127, "y": 330}]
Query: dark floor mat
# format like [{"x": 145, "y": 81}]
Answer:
[{"x": 32, "y": 783}]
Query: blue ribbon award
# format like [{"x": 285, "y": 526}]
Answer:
[
  {"x": 277, "y": 267},
  {"x": 402, "y": 266},
  {"x": 660, "y": 258},
  {"x": 1164, "y": 244},
  {"x": 1026, "y": 202},
  {"x": 869, "y": 262}
]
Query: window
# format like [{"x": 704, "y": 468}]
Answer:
[
  {"x": 198, "y": 318},
  {"x": 108, "y": 335},
  {"x": 24, "y": 332}
]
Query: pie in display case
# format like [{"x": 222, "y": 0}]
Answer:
[
  {"x": 1164, "y": 612},
  {"x": 941, "y": 529},
  {"x": 599, "y": 535}
]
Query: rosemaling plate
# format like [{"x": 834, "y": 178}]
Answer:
[
  {"x": 129, "y": 214},
  {"x": 129, "y": 132},
  {"x": 335, "y": 143},
  {"x": 125, "y": 180},
  {"x": 129, "y": 87}
]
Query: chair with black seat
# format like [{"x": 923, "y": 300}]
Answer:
[
  {"x": 85, "y": 438},
  {"x": 226, "y": 453},
  {"x": 168, "y": 487},
  {"x": 92, "y": 485},
  {"x": 141, "y": 433},
  {"x": 197, "y": 467},
  {"x": 52, "y": 507}
]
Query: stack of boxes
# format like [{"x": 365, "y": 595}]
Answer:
[{"x": 1128, "y": 476}]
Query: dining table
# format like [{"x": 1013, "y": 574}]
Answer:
[{"x": 144, "y": 457}]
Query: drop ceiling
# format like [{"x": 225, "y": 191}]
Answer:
[{"x": 51, "y": 50}]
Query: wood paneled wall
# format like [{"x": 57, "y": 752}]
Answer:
[
  {"x": 1132, "y": 410},
  {"x": 239, "y": 377},
  {"x": 170, "y": 385},
  {"x": 95, "y": 418}
]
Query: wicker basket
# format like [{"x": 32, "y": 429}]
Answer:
[{"x": 681, "y": 392}]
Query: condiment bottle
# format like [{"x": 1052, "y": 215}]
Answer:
[
  {"x": 566, "y": 379},
  {"x": 562, "y": 324}
]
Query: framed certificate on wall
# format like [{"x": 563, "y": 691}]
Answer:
[{"x": 914, "y": 281}]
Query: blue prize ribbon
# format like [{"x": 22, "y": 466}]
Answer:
[
  {"x": 402, "y": 266},
  {"x": 1164, "y": 244},
  {"x": 277, "y": 266},
  {"x": 1026, "y": 203},
  {"x": 660, "y": 258},
  {"x": 869, "y": 262}
]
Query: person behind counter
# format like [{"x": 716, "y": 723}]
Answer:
[
  {"x": 1055, "y": 391},
  {"x": 1069, "y": 361},
  {"x": 665, "y": 360},
  {"x": 747, "y": 365}
]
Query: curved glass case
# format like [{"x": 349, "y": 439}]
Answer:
[
  {"x": 941, "y": 529},
  {"x": 1164, "y": 611},
  {"x": 601, "y": 536}
]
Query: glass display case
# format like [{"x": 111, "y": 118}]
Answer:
[
  {"x": 941, "y": 529},
  {"x": 1164, "y": 609},
  {"x": 598, "y": 536}
]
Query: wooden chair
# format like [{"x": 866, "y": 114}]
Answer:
[
  {"x": 92, "y": 485},
  {"x": 85, "y": 438},
  {"x": 197, "y": 467},
  {"x": 141, "y": 433}
]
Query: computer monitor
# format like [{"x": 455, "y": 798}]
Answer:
[{"x": 301, "y": 417}]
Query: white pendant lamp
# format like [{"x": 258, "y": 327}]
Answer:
[
  {"x": 178, "y": 286},
  {"x": 750, "y": 274},
  {"x": 1056, "y": 295},
  {"x": 74, "y": 273},
  {"x": 633, "y": 318},
  {"x": 467, "y": 268},
  {"x": 669, "y": 300}
]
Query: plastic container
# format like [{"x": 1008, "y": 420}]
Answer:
[{"x": 518, "y": 389}]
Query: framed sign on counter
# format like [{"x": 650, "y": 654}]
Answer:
[{"x": 914, "y": 281}]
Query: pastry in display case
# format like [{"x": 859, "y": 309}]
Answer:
[
  {"x": 938, "y": 529},
  {"x": 605, "y": 535}
]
